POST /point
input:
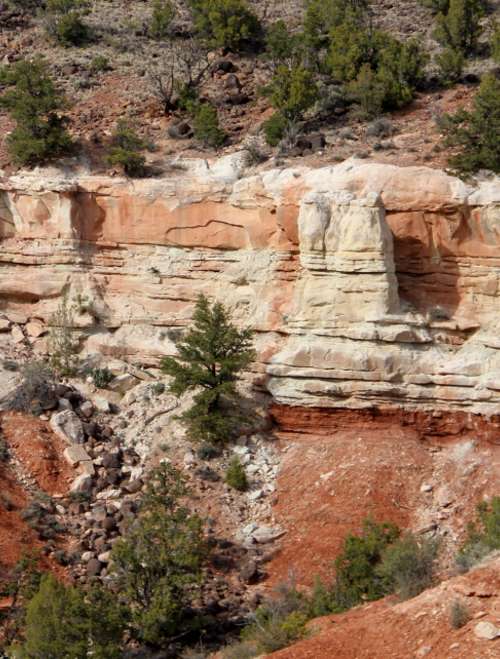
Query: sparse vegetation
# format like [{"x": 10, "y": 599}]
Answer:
[
  {"x": 460, "y": 27},
  {"x": 211, "y": 356},
  {"x": 101, "y": 377},
  {"x": 206, "y": 126},
  {"x": 475, "y": 133},
  {"x": 125, "y": 149},
  {"x": 62, "y": 345},
  {"x": 35, "y": 393},
  {"x": 408, "y": 566},
  {"x": 236, "y": 476},
  {"x": 33, "y": 101},
  {"x": 483, "y": 535}
]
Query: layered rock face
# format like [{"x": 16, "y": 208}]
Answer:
[{"x": 367, "y": 285}]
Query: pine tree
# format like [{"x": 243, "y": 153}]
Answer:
[
  {"x": 125, "y": 150},
  {"x": 64, "y": 621},
  {"x": 157, "y": 564},
  {"x": 476, "y": 133},
  {"x": 460, "y": 28},
  {"x": 210, "y": 358},
  {"x": 34, "y": 103}
]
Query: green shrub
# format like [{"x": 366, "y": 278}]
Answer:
[
  {"x": 274, "y": 128},
  {"x": 70, "y": 30},
  {"x": 324, "y": 15},
  {"x": 459, "y": 614},
  {"x": 62, "y": 344},
  {"x": 208, "y": 451},
  {"x": 474, "y": 134},
  {"x": 357, "y": 578},
  {"x": 65, "y": 22},
  {"x": 101, "y": 377},
  {"x": 99, "y": 64},
  {"x": 125, "y": 150},
  {"x": 226, "y": 23},
  {"x": 368, "y": 91},
  {"x": 450, "y": 64},
  {"x": 206, "y": 126},
  {"x": 236, "y": 476},
  {"x": 161, "y": 19},
  {"x": 483, "y": 535},
  {"x": 282, "y": 46},
  {"x": 278, "y": 623},
  {"x": 157, "y": 565},
  {"x": 33, "y": 101},
  {"x": 63, "y": 621},
  {"x": 460, "y": 27},
  {"x": 292, "y": 91},
  {"x": 408, "y": 566}
]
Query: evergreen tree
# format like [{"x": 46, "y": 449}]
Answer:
[
  {"x": 292, "y": 91},
  {"x": 125, "y": 150},
  {"x": 211, "y": 355},
  {"x": 63, "y": 621},
  {"x": 225, "y": 23},
  {"x": 161, "y": 18},
  {"x": 64, "y": 21},
  {"x": 157, "y": 564},
  {"x": 33, "y": 101},
  {"x": 475, "y": 133},
  {"x": 460, "y": 27},
  {"x": 206, "y": 126}
]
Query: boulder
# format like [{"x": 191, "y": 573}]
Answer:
[
  {"x": 75, "y": 454},
  {"x": 68, "y": 427},
  {"x": 486, "y": 630},
  {"x": 94, "y": 567},
  {"x": 82, "y": 484}
]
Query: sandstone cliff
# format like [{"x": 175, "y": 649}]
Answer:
[{"x": 367, "y": 284}]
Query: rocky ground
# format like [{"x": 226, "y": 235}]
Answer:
[{"x": 98, "y": 99}]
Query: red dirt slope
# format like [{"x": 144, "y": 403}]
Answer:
[{"x": 417, "y": 628}]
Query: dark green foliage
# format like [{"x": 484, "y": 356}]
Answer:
[
  {"x": 236, "y": 476},
  {"x": 292, "y": 91},
  {"x": 274, "y": 128},
  {"x": 227, "y": 24},
  {"x": 211, "y": 356},
  {"x": 324, "y": 15},
  {"x": 125, "y": 148},
  {"x": 65, "y": 22},
  {"x": 460, "y": 27},
  {"x": 206, "y": 126},
  {"x": 382, "y": 73},
  {"x": 475, "y": 133},
  {"x": 157, "y": 565},
  {"x": 450, "y": 64},
  {"x": 282, "y": 47},
  {"x": 459, "y": 614},
  {"x": 101, "y": 377},
  {"x": 161, "y": 18},
  {"x": 63, "y": 621},
  {"x": 356, "y": 577},
  {"x": 408, "y": 565},
  {"x": 33, "y": 101},
  {"x": 483, "y": 535}
]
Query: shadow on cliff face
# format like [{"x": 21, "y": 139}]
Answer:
[{"x": 428, "y": 277}]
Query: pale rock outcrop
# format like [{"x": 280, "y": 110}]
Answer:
[{"x": 367, "y": 284}]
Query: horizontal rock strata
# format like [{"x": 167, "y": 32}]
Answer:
[{"x": 368, "y": 285}]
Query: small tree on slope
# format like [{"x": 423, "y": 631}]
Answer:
[{"x": 211, "y": 356}]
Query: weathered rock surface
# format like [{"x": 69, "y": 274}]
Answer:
[{"x": 368, "y": 285}]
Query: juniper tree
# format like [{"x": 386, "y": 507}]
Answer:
[
  {"x": 475, "y": 133},
  {"x": 33, "y": 101},
  {"x": 211, "y": 356},
  {"x": 157, "y": 563}
]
